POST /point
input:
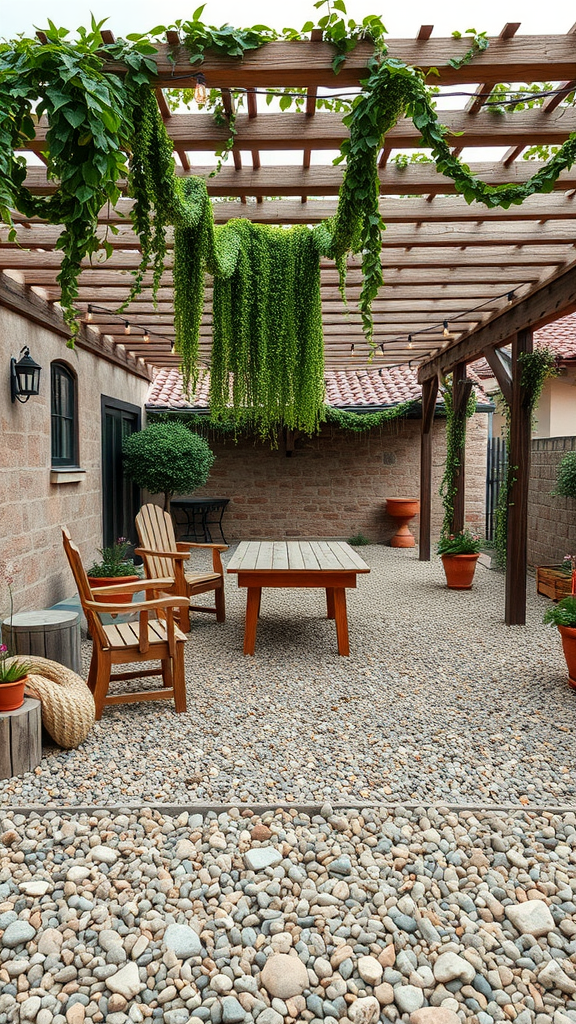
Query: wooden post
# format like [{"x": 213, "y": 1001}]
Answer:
[
  {"x": 20, "y": 739},
  {"x": 461, "y": 390},
  {"x": 519, "y": 461},
  {"x": 429, "y": 393}
]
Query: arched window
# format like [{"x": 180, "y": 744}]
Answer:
[{"x": 64, "y": 416}]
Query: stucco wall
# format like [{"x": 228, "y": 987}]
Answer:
[
  {"x": 336, "y": 484},
  {"x": 32, "y": 509},
  {"x": 551, "y": 520}
]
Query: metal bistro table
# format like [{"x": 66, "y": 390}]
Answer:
[
  {"x": 332, "y": 565},
  {"x": 201, "y": 514}
]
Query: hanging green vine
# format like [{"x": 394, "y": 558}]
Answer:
[
  {"x": 360, "y": 422},
  {"x": 536, "y": 368},
  {"x": 455, "y": 444}
]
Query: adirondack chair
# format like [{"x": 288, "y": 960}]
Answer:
[
  {"x": 145, "y": 640},
  {"x": 165, "y": 556}
]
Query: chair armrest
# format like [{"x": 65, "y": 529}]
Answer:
[
  {"x": 168, "y": 601},
  {"x": 215, "y": 547},
  {"x": 134, "y": 588},
  {"x": 154, "y": 553}
]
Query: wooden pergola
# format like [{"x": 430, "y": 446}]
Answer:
[{"x": 486, "y": 277}]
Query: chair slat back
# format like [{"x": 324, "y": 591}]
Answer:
[
  {"x": 84, "y": 590},
  {"x": 156, "y": 531}
]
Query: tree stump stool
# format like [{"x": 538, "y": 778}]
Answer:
[
  {"x": 20, "y": 739},
  {"x": 52, "y": 634}
]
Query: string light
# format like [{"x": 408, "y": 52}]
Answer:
[
  {"x": 127, "y": 327},
  {"x": 89, "y": 313},
  {"x": 200, "y": 90},
  {"x": 146, "y": 336},
  {"x": 446, "y": 332},
  {"x": 352, "y": 351},
  {"x": 511, "y": 296},
  {"x": 410, "y": 345}
]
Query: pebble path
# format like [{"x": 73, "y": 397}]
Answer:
[
  {"x": 439, "y": 701},
  {"x": 346, "y": 917}
]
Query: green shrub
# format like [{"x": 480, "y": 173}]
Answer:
[
  {"x": 359, "y": 540},
  {"x": 566, "y": 477},
  {"x": 167, "y": 458}
]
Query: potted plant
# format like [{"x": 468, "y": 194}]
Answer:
[
  {"x": 114, "y": 567},
  {"x": 563, "y": 615},
  {"x": 13, "y": 676},
  {"x": 167, "y": 458},
  {"x": 459, "y": 553}
]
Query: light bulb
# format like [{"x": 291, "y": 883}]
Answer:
[
  {"x": 89, "y": 313},
  {"x": 200, "y": 90},
  {"x": 352, "y": 351},
  {"x": 126, "y": 327},
  {"x": 410, "y": 345},
  {"x": 511, "y": 296},
  {"x": 446, "y": 332},
  {"x": 146, "y": 337}
]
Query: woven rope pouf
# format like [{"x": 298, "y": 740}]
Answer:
[{"x": 68, "y": 711}]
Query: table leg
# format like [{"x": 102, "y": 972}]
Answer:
[
  {"x": 330, "y": 602},
  {"x": 341, "y": 620},
  {"x": 252, "y": 609}
]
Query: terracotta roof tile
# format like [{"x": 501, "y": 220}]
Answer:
[
  {"x": 361, "y": 389},
  {"x": 559, "y": 336}
]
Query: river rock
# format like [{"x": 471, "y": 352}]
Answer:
[
  {"x": 364, "y": 1010},
  {"x": 450, "y": 966},
  {"x": 126, "y": 981},
  {"x": 183, "y": 940},
  {"x": 552, "y": 976},
  {"x": 531, "y": 918},
  {"x": 370, "y": 970},
  {"x": 284, "y": 976},
  {"x": 262, "y": 857},
  {"x": 434, "y": 1015}
]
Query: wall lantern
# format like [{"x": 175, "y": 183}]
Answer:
[{"x": 24, "y": 376}]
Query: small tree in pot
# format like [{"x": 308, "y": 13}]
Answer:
[{"x": 167, "y": 458}]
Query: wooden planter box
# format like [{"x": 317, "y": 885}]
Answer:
[{"x": 553, "y": 582}]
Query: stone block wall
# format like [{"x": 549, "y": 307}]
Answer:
[
  {"x": 336, "y": 484},
  {"x": 32, "y": 509},
  {"x": 551, "y": 519}
]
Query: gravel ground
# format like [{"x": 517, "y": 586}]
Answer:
[
  {"x": 439, "y": 701},
  {"x": 424, "y": 916}
]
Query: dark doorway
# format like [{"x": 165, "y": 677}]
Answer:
[{"x": 121, "y": 499}]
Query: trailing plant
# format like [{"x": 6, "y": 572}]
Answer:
[
  {"x": 267, "y": 364},
  {"x": 90, "y": 116},
  {"x": 535, "y": 369},
  {"x": 455, "y": 443},
  {"x": 167, "y": 458},
  {"x": 361, "y": 422},
  {"x": 480, "y": 42},
  {"x": 566, "y": 476}
]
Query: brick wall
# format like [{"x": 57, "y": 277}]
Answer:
[
  {"x": 32, "y": 509},
  {"x": 551, "y": 520},
  {"x": 336, "y": 484}
]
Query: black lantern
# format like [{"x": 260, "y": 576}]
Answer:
[{"x": 24, "y": 376}]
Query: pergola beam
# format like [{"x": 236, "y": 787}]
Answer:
[
  {"x": 325, "y": 180},
  {"x": 553, "y": 299},
  {"x": 538, "y": 58}
]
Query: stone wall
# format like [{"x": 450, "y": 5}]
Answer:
[
  {"x": 32, "y": 508},
  {"x": 551, "y": 520},
  {"x": 336, "y": 484}
]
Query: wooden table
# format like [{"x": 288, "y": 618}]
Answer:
[{"x": 332, "y": 565}]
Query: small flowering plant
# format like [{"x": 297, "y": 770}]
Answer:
[
  {"x": 569, "y": 564},
  {"x": 114, "y": 561},
  {"x": 12, "y": 669},
  {"x": 463, "y": 543}
]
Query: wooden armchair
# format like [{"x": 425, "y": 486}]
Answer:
[
  {"x": 164, "y": 556},
  {"x": 148, "y": 639}
]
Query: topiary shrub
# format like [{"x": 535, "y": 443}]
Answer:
[
  {"x": 566, "y": 478},
  {"x": 167, "y": 458}
]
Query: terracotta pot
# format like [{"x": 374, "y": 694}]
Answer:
[
  {"x": 12, "y": 695},
  {"x": 403, "y": 510},
  {"x": 459, "y": 570},
  {"x": 568, "y": 635},
  {"x": 110, "y": 581}
]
